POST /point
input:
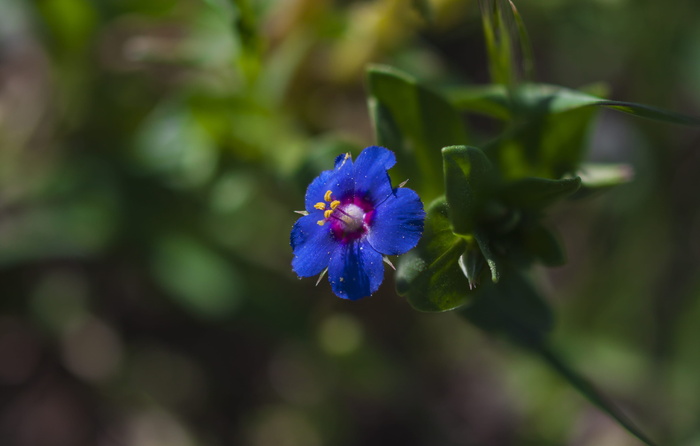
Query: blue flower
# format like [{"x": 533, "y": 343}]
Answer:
[{"x": 354, "y": 219}]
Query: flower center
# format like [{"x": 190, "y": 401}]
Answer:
[
  {"x": 351, "y": 215},
  {"x": 349, "y": 220}
]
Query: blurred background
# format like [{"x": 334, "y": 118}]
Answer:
[{"x": 152, "y": 153}]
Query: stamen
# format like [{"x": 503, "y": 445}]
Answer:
[
  {"x": 328, "y": 213},
  {"x": 320, "y": 206},
  {"x": 327, "y": 197},
  {"x": 321, "y": 222},
  {"x": 334, "y": 204}
]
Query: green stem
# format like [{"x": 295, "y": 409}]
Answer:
[{"x": 589, "y": 391}]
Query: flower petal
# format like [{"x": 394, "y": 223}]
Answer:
[
  {"x": 397, "y": 223},
  {"x": 313, "y": 245},
  {"x": 317, "y": 188},
  {"x": 372, "y": 182},
  {"x": 356, "y": 270},
  {"x": 340, "y": 181},
  {"x": 343, "y": 184}
]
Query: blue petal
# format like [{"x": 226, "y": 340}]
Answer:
[
  {"x": 343, "y": 184},
  {"x": 317, "y": 188},
  {"x": 372, "y": 182},
  {"x": 313, "y": 245},
  {"x": 397, "y": 223},
  {"x": 356, "y": 270},
  {"x": 340, "y": 181}
]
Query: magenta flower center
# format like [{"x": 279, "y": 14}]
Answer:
[{"x": 349, "y": 219}]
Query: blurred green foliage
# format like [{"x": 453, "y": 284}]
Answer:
[{"x": 151, "y": 153}]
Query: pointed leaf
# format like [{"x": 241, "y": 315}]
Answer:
[
  {"x": 492, "y": 100},
  {"x": 498, "y": 34},
  {"x": 489, "y": 100},
  {"x": 492, "y": 261},
  {"x": 430, "y": 275},
  {"x": 469, "y": 176},
  {"x": 528, "y": 59},
  {"x": 425, "y": 120},
  {"x": 538, "y": 193}
]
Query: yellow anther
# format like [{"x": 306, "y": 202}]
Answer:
[
  {"x": 334, "y": 204},
  {"x": 327, "y": 197},
  {"x": 320, "y": 206},
  {"x": 321, "y": 222},
  {"x": 328, "y": 213}
]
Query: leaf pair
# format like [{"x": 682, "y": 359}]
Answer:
[{"x": 481, "y": 220}]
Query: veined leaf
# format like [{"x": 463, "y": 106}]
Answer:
[
  {"x": 493, "y": 100},
  {"x": 528, "y": 59},
  {"x": 491, "y": 260},
  {"x": 469, "y": 176},
  {"x": 538, "y": 193},
  {"x": 430, "y": 275},
  {"x": 489, "y": 100},
  {"x": 416, "y": 123},
  {"x": 497, "y": 35},
  {"x": 507, "y": 42}
]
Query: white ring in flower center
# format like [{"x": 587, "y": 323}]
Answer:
[{"x": 352, "y": 216}]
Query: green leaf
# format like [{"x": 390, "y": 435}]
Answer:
[
  {"x": 511, "y": 308},
  {"x": 525, "y": 44},
  {"x": 538, "y": 193},
  {"x": 425, "y": 121},
  {"x": 542, "y": 144},
  {"x": 507, "y": 42},
  {"x": 430, "y": 275},
  {"x": 492, "y": 261},
  {"x": 497, "y": 34},
  {"x": 493, "y": 100},
  {"x": 489, "y": 100},
  {"x": 544, "y": 139},
  {"x": 388, "y": 134},
  {"x": 469, "y": 177}
]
